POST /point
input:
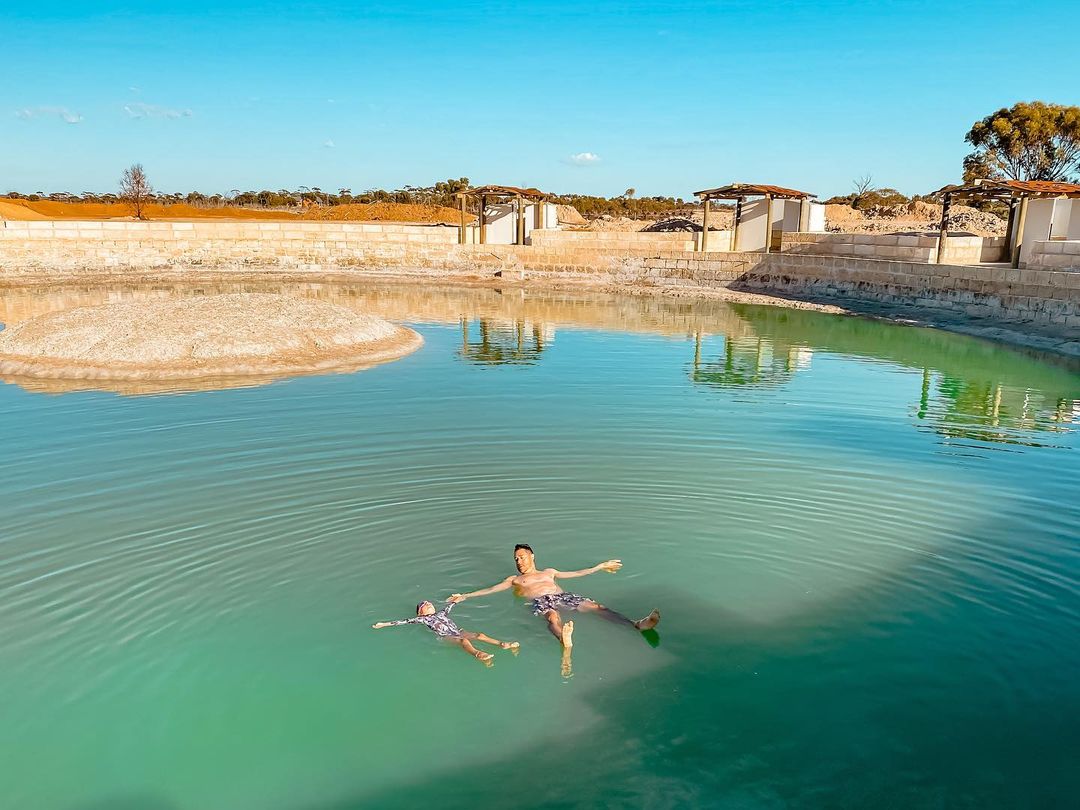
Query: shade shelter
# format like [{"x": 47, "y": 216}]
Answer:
[
  {"x": 503, "y": 193},
  {"x": 741, "y": 192},
  {"x": 1014, "y": 193}
]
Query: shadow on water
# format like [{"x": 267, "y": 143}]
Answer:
[{"x": 769, "y": 729}]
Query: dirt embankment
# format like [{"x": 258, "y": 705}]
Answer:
[
  {"x": 49, "y": 209},
  {"x": 387, "y": 212},
  {"x": 915, "y": 216},
  {"x": 374, "y": 212}
]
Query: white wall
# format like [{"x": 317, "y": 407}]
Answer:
[
  {"x": 1071, "y": 229},
  {"x": 786, "y": 216},
  {"x": 1059, "y": 227},
  {"x": 501, "y": 222},
  {"x": 751, "y": 234},
  {"x": 1040, "y": 213}
]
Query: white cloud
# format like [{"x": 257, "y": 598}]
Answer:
[
  {"x": 585, "y": 158},
  {"x": 29, "y": 113},
  {"x": 328, "y": 144},
  {"x": 140, "y": 110}
]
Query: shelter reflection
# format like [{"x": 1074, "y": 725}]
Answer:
[
  {"x": 496, "y": 342},
  {"x": 749, "y": 360}
]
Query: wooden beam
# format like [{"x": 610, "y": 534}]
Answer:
[
  {"x": 943, "y": 237},
  {"x": 538, "y": 214},
  {"x": 483, "y": 221},
  {"x": 705, "y": 225},
  {"x": 1018, "y": 240}
]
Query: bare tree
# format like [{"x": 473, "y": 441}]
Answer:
[
  {"x": 861, "y": 185},
  {"x": 135, "y": 189},
  {"x": 629, "y": 193}
]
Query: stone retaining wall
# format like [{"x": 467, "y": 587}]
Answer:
[
  {"x": 616, "y": 240},
  {"x": 905, "y": 247},
  {"x": 1048, "y": 299},
  {"x": 1055, "y": 256}
]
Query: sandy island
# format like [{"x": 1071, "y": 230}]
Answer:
[{"x": 214, "y": 341}]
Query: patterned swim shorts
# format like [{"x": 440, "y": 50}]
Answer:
[{"x": 556, "y": 601}]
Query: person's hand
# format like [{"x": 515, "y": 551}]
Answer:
[
  {"x": 611, "y": 566},
  {"x": 455, "y": 597}
]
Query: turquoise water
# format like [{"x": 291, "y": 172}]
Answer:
[{"x": 863, "y": 539}]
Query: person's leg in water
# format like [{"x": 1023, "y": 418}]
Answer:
[
  {"x": 648, "y": 623},
  {"x": 467, "y": 646},
  {"x": 564, "y": 632},
  {"x": 506, "y": 645}
]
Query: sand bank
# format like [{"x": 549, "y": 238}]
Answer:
[{"x": 215, "y": 341}]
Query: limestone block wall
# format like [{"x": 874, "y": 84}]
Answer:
[
  {"x": 973, "y": 250},
  {"x": 103, "y": 245},
  {"x": 1047, "y": 296},
  {"x": 1055, "y": 256},
  {"x": 1044, "y": 298},
  {"x": 904, "y": 247},
  {"x": 617, "y": 240},
  {"x": 866, "y": 246}
]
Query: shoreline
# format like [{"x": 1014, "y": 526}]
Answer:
[{"x": 1051, "y": 347}]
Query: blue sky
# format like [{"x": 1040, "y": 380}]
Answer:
[{"x": 592, "y": 97}]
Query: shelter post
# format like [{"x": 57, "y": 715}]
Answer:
[
  {"x": 483, "y": 222},
  {"x": 768, "y": 223},
  {"x": 804, "y": 215},
  {"x": 538, "y": 214},
  {"x": 735, "y": 225},
  {"x": 520, "y": 239},
  {"x": 1010, "y": 229},
  {"x": 943, "y": 237},
  {"x": 705, "y": 225},
  {"x": 463, "y": 234},
  {"x": 1018, "y": 242}
]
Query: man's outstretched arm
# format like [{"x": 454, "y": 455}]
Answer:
[
  {"x": 502, "y": 586},
  {"x": 611, "y": 566}
]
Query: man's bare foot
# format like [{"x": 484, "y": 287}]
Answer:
[
  {"x": 649, "y": 622},
  {"x": 568, "y": 635},
  {"x": 484, "y": 656},
  {"x": 566, "y": 668},
  {"x": 510, "y": 645}
]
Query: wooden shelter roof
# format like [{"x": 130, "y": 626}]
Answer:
[
  {"x": 505, "y": 191},
  {"x": 1007, "y": 189},
  {"x": 737, "y": 191}
]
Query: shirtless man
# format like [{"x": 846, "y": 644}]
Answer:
[{"x": 547, "y": 598}]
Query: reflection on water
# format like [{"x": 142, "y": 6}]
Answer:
[
  {"x": 494, "y": 342},
  {"x": 749, "y": 361},
  {"x": 970, "y": 389}
]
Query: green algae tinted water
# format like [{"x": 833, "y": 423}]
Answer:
[{"x": 863, "y": 539}]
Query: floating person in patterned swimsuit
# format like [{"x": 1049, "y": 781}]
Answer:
[
  {"x": 440, "y": 623},
  {"x": 547, "y": 598}
]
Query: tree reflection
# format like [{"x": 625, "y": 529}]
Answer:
[
  {"x": 966, "y": 389},
  {"x": 985, "y": 410},
  {"x": 503, "y": 342}
]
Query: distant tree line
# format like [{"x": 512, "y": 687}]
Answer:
[{"x": 1028, "y": 141}]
